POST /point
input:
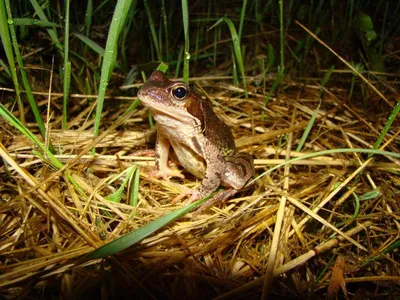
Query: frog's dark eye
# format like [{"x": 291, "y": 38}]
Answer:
[{"x": 180, "y": 92}]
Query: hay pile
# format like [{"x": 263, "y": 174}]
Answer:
[{"x": 294, "y": 225}]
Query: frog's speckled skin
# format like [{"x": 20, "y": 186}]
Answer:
[{"x": 203, "y": 144}]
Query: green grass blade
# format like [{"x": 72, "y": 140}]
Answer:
[
  {"x": 6, "y": 114},
  {"x": 134, "y": 190},
  {"x": 67, "y": 67},
  {"x": 117, "y": 195},
  {"x": 118, "y": 20},
  {"x": 242, "y": 15},
  {"x": 163, "y": 67},
  {"x": 52, "y": 32},
  {"x": 388, "y": 124},
  {"x": 271, "y": 56},
  {"x": 88, "y": 17},
  {"x": 153, "y": 30},
  {"x": 308, "y": 128},
  {"x": 306, "y": 132},
  {"x": 92, "y": 45},
  {"x": 325, "y": 80},
  {"x": 25, "y": 80},
  {"x": 186, "y": 55},
  {"x": 33, "y": 22},
  {"x": 5, "y": 68},
  {"x": 136, "y": 236},
  {"x": 66, "y": 87},
  {"x": 6, "y": 41},
  {"x": 236, "y": 48}
]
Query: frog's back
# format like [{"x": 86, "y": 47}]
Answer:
[{"x": 216, "y": 130}]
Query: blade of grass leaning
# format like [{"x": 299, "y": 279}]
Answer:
[
  {"x": 136, "y": 236},
  {"x": 355, "y": 214},
  {"x": 325, "y": 80},
  {"x": 52, "y": 33},
  {"x": 134, "y": 188},
  {"x": 242, "y": 15},
  {"x": 120, "y": 13},
  {"x": 33, "y": 22},
  {"x": 6, "y": 114},
  {"x": 99, "y": 7},
  {"x": 92, "y": 44},
  {"x": 5, "y": 68},
  {"x": 236, "y": 48},
  {"x": 117, "y": 195},
  {"x": 392, "y": 247},
  {"x": 388, "y": 124},
  {"x": 67, "y": 67},
  {"x": 6, "y": 41},
  {"x": 306, "y": 132},
  {"x": 25, "y": 81},
  {"x": 152, "y": 30},
  {"x": 308, "y": 128},
  {"x": 186, "y": 55}
]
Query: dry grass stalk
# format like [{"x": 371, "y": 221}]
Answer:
[{"x": 47, "y": 225}]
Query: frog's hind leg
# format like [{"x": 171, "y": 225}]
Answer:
[{"x": 238, "y": 171}]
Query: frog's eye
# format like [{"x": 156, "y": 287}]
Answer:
[{"x": 180, "y": 92}]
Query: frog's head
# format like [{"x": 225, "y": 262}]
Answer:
[{"x": 170, "y": 98}]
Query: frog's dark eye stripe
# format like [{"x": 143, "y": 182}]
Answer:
[{"x": 180, "y": 92}]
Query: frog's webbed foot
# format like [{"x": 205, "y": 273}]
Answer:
[
  {"x": 166, "y": 174},
  {"x": 144, "y": 152},
  {"x": 193, "y": 194}
]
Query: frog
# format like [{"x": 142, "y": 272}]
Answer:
[{"x": 203, "y": 144}]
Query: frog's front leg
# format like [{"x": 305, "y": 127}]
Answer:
[{"x": 161, "y": 159}]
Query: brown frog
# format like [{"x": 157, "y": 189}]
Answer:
[{"x": 203, "y": 144}]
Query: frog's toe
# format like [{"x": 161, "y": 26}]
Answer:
[
  {"x": 193, "y": 196},
  {"x": 166, "y": 174}
]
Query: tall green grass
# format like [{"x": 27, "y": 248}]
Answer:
[
  {"x": 178, "y": 36},
  {"x": 118, "y": 21},
  {"x": 67, "y": 66}
]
